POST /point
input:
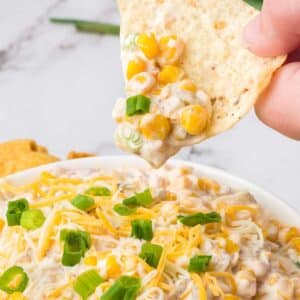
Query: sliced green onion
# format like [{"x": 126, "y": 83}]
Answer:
[
  {"x": 86, "y": 283},
  {"x": 85, "y": 236},
  {"x": 13, "y": 280},
  {"x": 128, "y": 138},
  {"x": 199, "y": 263},
  {"x": 144, "y": 198},
  {"x": 124, "y": 288},
  {"x": 98, "y": 191},
  {"x": 142, "y": 229},
  {"x": 75, "y": 245},
  {"x": 14, "y": 211},
  {"x": 151, "y": 254},
  {"x": 137, "y": 105},
  {"x": 123, "y": 210},
  {"x": 32, "y": 219},
  {"x": 88, "y": 26},
  {"x": 140, "y": 199},
  {"x": 83, "y": 202},
  {"x": 200, "y": 218},
  {"x": 255, "y": 3}
]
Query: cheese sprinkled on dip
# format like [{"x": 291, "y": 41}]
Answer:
[{"x": 141, "y": 234}]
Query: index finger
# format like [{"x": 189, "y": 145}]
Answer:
[{"x": 276, "y": 30}]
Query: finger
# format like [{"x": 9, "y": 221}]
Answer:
[
  {"x": 279, "y": 106},
  {"x": 276, "y": 30}
]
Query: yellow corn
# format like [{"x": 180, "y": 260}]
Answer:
[
  {"x": 188, "y": 86},
  {"x": 113, "y": 268},
  {"x": 231, "y": 247},
  {"x": 2, "y": 223},
  {"x": 90, "y": 260},
  {"x": 287, "y": 234},
  {"x": 296, "y": 244},
  {"x": 208, "y": 185},
  {"x": 16, "y": 296},
  {"x": 292, "y": 233},
  {"x": 171, "y": 48},
  {"x": 231, "y": 297},
  {"x": 169, "y": 74},
  {"x": 148, "y": 45},
  {"x": 194, "y": 119},
  {"x": 134, "y": 67},
  {"x": 155, "y": 127}
]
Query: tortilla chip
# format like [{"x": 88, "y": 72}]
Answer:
[
  {"x": 75, "y": 155},
  {"x": 19, "y": 155},
  {"x": 215, "y": 58}
]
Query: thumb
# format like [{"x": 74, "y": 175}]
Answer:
[
  {"x": 276, "y": 30},
  {"x": 279, "y": 105}
]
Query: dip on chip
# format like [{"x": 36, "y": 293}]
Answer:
[{"x": 188, "y": 75}]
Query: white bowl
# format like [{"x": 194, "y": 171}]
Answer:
[{"x": 276, "y": 207}]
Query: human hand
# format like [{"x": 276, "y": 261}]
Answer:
[{"x": 276, "y": 31}]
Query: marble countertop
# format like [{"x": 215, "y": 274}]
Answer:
[{"x": 58, "y": 86}]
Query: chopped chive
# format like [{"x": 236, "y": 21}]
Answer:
[
  {"x": 124, "y": 288},
  {"x": 83, "y": 202},
  {"x": 151, "y": 254},
  {"x": 14, "y": 211},
  {"x": 140, "y": 199},
  {"x": 13, "y": 280},
  {"x": 137, "y": 105},
  {"x": 85, "y": 236},
  {"x": 255, "y": 3},
  {"x": 142, "y": 229},
  {"x": 86, "y": 283},
  {"x": 32, "y": 219},
  {"x": 123, "y": 210},
  {"x": 98, "y": 191},
  {"x": 200, "y": 218},
  {"x": 75, "y": 245},
  {"x": 199, "y": 263},
  {"x": 89, "y": 26}
]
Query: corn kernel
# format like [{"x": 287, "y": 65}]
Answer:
[
  {"x": 208, "y": 185},
  {"x": 296, "y": 244},
  {"x": 2, "y": 223},
  {"x": 90, "y": 260},
  {"x": 134, "y": 67},
  {"x": 231, "y": 297},
  {"x": 188, "y": 86},
  {"x": 194, "y": 119},
  {"x": 155, "y": 127},
  {"x": 113, "y": 268},
  {"x": 271, "y": 230},
  {"x": 16, "y": 296},
  {"x": 171, "y": 48},
  {"x": 293, "y": 232},
  {"x": 231, "y": 247},
  {"x": 287, "y": 234},
  {"x": 148, "y": 45},
  {"x": 169, "y": 74}
]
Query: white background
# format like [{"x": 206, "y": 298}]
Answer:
[{"x": 58, "y": 87}]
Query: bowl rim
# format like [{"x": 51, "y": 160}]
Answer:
[{"x": 277, "y": 207}]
